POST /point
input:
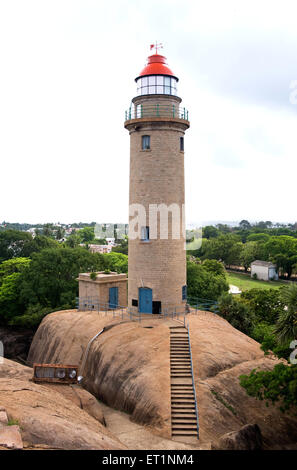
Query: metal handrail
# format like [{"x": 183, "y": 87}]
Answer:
[
  {"x": 193, "y": 382},
  {"x": 93, "y": 303},
  {"x": 203, "y": 304},
  {"x": 156, "y": 110},
  {"x": 82, "y": 368}
]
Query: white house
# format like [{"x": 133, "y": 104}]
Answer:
[{"x": 264, "y": 270}]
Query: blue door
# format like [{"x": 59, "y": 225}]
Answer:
[
  {"x": 113, "y": 297},
  {"x": 145, "y": 300}
]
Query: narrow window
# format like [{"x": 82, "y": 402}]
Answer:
[
  {"x": 181, "y": 144},
  {"x": 145, "y": 234},
  {"x": 184, "y": 293},
  {"x": 146, "y": 142}
]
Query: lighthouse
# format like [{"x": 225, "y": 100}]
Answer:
[{"x": 156, "y": 121}]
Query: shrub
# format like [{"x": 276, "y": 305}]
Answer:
[
  {"x": 277, "y": 385},
  {"x": 266, "y": 304},
  {"x": 203, "y": 283},
  {"x": 236, "y": 313}
]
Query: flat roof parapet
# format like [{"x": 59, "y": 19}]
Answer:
[{"x": 102, "y": 277}]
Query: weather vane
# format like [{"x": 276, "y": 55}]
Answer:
[{"x": 157, "y": 46}]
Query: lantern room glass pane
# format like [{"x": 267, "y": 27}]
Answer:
[{"x": 156, "y": 84}]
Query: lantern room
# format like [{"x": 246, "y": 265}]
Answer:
[{"x": 156, "y": 78}]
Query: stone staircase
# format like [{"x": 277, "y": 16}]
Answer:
[{"x": 183, "y": 410}]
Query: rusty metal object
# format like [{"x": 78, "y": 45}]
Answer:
[{"x": 55, "y": 373}]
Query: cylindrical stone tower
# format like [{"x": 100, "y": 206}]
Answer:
[{"x": 157, "y": 257}]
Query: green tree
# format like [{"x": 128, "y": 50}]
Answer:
[
  {"x": 60, "y": 233},
  {"x": 258, "y": 237},
  {"x": 276, "y": 386},
  {"x": 210, "y": 232},
  {"x": 226, "y": 248},
  {"x": 51, "y": 279},
  {"x": 203, "y": 283},
  {"x": 116, "y": 262},
  {"x": 122, "y": 246},
  {"x": 86, "y": 234},
  {"x": 10, "y": 304},
  {"x": 236, "y": 313},
  {"x": 48, "y": 230},
  {"x": 249, "y": 253},
  {"x": 12, "y": 243},
  {"x": 73, "y": 240},
  {"x": 40, "y": 242},
  {"x": 14, "y": 265},
  {"x": 286, "y": 326},
  {"x": 244, "y": 224},
  {"x": 282, "y": 250},
  {"x": 266, "y": 304},
  {"x": 214, "y": 266},
  {"x": 265, "y": 334}
]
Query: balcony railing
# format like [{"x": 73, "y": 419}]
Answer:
[{"x": 156, "y": 110}]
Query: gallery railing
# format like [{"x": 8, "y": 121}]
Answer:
[{"x": 156, "y": 110}]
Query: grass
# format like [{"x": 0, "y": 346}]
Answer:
[
  {"x": 13, "y": 422},
  {"x": 245, "y": 282},
  {"x": 221, "y": 400}
]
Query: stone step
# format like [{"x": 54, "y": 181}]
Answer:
[
  {"x": 184, "y": 420},
  {"x": 183, "y": 409},
  {"x": 187, "y": 385},
  {"x": 183, "y": 401},
  {"x": 181, "y": 375},
  {"x": 184, "y": 427},
  {"x": 180, "y": 355},
  {"x": 184, "y": 433},
  {"x": 181, "y": 366},
  {"x": 180, "y": 361},
  {"x": 183, "y": 415},
  {"x": 174, "y": 368}
]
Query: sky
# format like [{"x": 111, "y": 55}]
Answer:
[{"x": 67, "y": 70}]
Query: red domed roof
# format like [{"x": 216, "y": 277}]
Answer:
[{"x": 156, "y": 65}]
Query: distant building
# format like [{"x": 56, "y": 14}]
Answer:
[
  {"x": 264, "y": 270},
  {"x": 110, "y": 241},
  {"x": 32, "y": 231},
  {"x": 99, "y": 248}
]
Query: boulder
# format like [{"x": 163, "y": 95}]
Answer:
[
  {"x": 128, "y": 368},
  {"x": 3, "y": 416},
  {"x": 10, "y": 437},
  {"x": 47, "y": 418},
  {"x": 82, "y": 398},
  {"x": 247, "y": 438}
]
